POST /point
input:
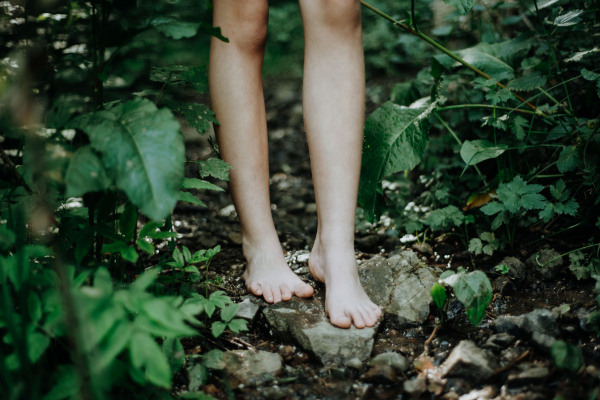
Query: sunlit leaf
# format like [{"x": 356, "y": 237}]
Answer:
[
  {"x": 474, "y": 291},
  {"x": 476, "y": 151},
  {"x": 142, "y": 148},
  {"x": 215, "y": 168},
  {"x": 566, "y": 356},
  {"x": 462, "y": 6},
  {"x": 528, "y": 82},
  {"x": 175, "y": 28},
  {"x": 570, "y": 18},
  {"x": 438, "y": 293},
  {"x": 395, "y": 138}
]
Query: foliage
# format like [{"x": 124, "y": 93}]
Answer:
[
  {"x": 90, "y": 173},
  {"x": 513, "y": 127},
  {"x": 566, "y": 356},
  {"x": 472, "y": 289}
]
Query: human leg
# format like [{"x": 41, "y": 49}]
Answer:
[
  {"x": 333, "y": 103},
  {"x": 237, "y": 98}
]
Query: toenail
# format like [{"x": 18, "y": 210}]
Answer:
[{"x": 269, "y": 299}]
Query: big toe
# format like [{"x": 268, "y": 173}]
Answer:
[
  {"x": 255, "y": 288},
  {"x": 304, "y": 290},
  {"x": 340, "y": 320}
]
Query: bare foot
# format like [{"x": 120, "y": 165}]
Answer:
[
  {"x": 346, "y": 302},
  {"x": 268, "y": 275}
]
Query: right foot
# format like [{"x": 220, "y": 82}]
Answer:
[{"x": 268, "y": 275}]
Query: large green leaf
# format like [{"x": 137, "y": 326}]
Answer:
[
  {"x": 85, "y": 173},
  {"x": 476, "y": 151},
  {"x": 174, "y": 28},
  {"x": 395, "y": 138},
  {"x": 474, "y": 291},
  {"x": 142, "y": 148},
  {"x": 494, "y": 59}
]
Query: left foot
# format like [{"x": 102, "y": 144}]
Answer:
[{"x": 346, "y": 302}]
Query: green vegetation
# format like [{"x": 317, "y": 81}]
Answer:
[{"x": 495, "y": 142}]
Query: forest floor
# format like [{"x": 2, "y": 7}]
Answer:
[{"x": 520, "y": 362}]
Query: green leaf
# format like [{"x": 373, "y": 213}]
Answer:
[
  {"x": 37, "y": 343},
  {"x": 142, "y": 148},
  {"x": 570, "y": 18},
  {"x": 127, "y": 252},
  {"x": 518, "y": 127},
  {"x": 474, "y": 291},
  {"x": 198, "y": 116},
  {"x": 475, "y": 246},
  {"x": 238, "y": 325},
  {"x": 187, "y": 256},
  {"x": 444, "y": 218},
  {"x": 439, "y": 295},
  {"x": 214, "y": 359},
  {"x": 498, "y": 96},
  {"x": 34, "y": 305},
  {"x": 215, "y": 168},
  {"x": 178, "y": 257},
  {"x": 517, "y": 195},
  {"x": 114, "y": 343},
  {"x": 128, "y": 221},
  {"x": 395, "y": 138},
  {"x": 493, "y": 59},
  {"x": 145, "y": 353},
  {"x": 229, "y": 311},
  {"x": 67, "y": 383},
  {"x": 145, "y": 246},
  {"x": 568, "y": 160},
  {"x": 217, "y": 328},
  {"x": 85, "y": 173},
  {"x": 219, "y": 299},
  {"x": 566, "y": 356},
  {"x": 146, "y": 279},
  {"x": 190, "y": 198},
  {"x": 194, "y": 183},
  {"x": 150, "y": 228},
  {"x": 528, "y": 82},
  {"x": 175, "y": 353},
  {"x": 476, "y": 151},
  {"x": 175, "y": 28},
  {"x": 164, "y": 314}
]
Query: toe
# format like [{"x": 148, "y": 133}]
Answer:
[
  {"x": 341, "y": 321},
  {"x": 358, "y": 319},
  {"x": 304, "y": 290},
  {"x": 268, "y": 294},
  {"x": 286, "y": 293},
  {"x": 369, "y": 316},
  {"x": 255, "y": 288},
  {"x": 276, "y": 295}
]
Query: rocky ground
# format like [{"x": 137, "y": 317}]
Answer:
[{"x": 292, "y": 352}]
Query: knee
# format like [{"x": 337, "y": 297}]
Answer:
[
  {"x": 246, "y": 25},
  {"x": 338, "y": 14}
]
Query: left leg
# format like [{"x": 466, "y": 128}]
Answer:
[{"x": 333, "y": 102}]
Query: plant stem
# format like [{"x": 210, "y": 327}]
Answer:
[
  {"x": 459, "y": 106},
  {"x": 441, "y": 48},
  {"x": 567, "y": 253}
]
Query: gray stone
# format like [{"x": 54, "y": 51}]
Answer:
[
  {"x": 248, "y": 309},
  {"x": 486, "y": 393},
  {"x": 416, "y": 386},
  {"x": 540, "y": 321},
  {"x": 469, "y": 361},
  {"x": 424, "y": 248},
  {"x": 531, "y": 375},
  {"x": 305, "y": 321},
  {"x": 509, "y": 324},
  {"x": 503, "y": 285},
  {"x": 380, "y": 373},
  {"x": 395, "y": 360},
  {"x": 546, "y": 263},
  {"x": 499, "y": 341},
  {"x": 250, "y": 367},
  {"x": 368, "y": 242},
  {"x": 516, "y": 269},
  {"x": 355, "y": 363},
  {"x": 543, "y": 341}
]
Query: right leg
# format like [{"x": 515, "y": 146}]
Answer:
[{"x": 237, "y": 98}]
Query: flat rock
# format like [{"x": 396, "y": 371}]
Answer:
[
  {"x": 499, "y": 341},
  {"x": 531, "y": 375},
  {"x": 469, "y": 361},
  {"x": 248, "y": 309},
  {"x": 305, "y": 321},
  {"x": 401, "y": 285},
  {"x": 250, "y": 367},
  {"x": 416, "y": 386},
  {"x": 539, "y": 326}
]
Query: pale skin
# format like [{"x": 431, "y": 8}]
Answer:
[{"x": 333, "y": 105}]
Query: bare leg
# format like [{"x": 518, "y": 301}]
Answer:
[
  {"x": 333, "y": 101},
  {"x": 237, "y": 99}
]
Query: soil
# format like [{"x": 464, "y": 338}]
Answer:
[{"x": 295, "y": 218}]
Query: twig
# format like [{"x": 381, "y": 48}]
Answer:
[
  {"x": 241, "y": 343},
  {"x": 432, "y": 335},
  {"x": 512, "y": 363}
]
